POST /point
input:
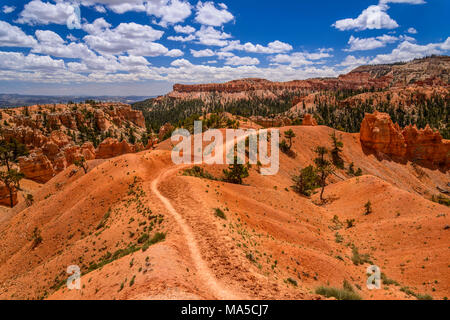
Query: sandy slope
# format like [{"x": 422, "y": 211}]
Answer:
[{"x": 270, "y": 233}]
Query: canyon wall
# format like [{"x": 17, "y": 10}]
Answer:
[
  {"x": 379, "y": 134},
  {"x": 428, "y": 71}
]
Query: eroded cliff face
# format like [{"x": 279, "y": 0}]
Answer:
[
  {"x": 42, "y": 164},
  {"x": 309, "y": 120},
  {"x": 56, "y": 134},
  {"x": 5, "y": 198},
  {"x": 431, "y": 71},
  {"x": 380, "y": 134},
  {"x": 111, "y": 148}
]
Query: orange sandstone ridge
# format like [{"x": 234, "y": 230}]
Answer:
[
  {"x": 49, "y": 132},
  {"x": 433, "y": 71},
  {"x": 381, "y": 135}
]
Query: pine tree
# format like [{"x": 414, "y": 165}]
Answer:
[
  {"x": 306, "y": 181},
  {"x": 368, "y": 207},
  {"x": 323, "y": 167},
  {"x": 289, "y": 135},
  {"x": 81, "y": 163},
  {"x": 336, "y": 150},
  {"x": 236, "y": 172},
  {"x": 11, "y": 178}
]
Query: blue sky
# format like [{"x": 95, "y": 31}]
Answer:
[{"x": 142, "y": 47}]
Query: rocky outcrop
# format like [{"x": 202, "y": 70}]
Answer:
[
  {"x": 5, "y": 197},
  {"x": 37, "y": 167},
  {"x": 278, "y": 121},
  {"x": 164, "y": 130},
  {"x": 43, "y": 164},
  {"x": 308, "y": 120},
  {"x": 54, "y": 133},
  {"x": 111, "y": 148},
  {"x": 432, "y": 70},
  {"x": 125, "y": 112},
  {"x": 380, "y": 134},
  {"x": 26, "y": 135},
  {"x": 426, "y": 145}
]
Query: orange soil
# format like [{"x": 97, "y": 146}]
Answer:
[{"x": 270, "y": 233}]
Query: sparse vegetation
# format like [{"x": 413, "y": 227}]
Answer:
[
  {"x": 81, "y": 163},
  {"x": 387, "y": 281},
  {"x": 358, "y": 258},
  {"x": 292, "y": 282},
  {"x": 418, "y": 296},
  {"x": 236, "y": 172},
  {"x": 104, "y": 220},
  {"x": 36, "y": 238},
  {"x": 441, "y": 200},
  {"x": 306, "y": 182},
  {"x": 336, "y": 150},
  {"x": 346, "y": 293},
  {"x": 220, "y": 214},
  {"x": 198, "y": 172},
  {"x": 29, "y": 199},
  {"x": 350, "y": 223},
  {"x": 285, "y": 147},
  {"x": 323, "y": 168},
  {"x": 368, "y": 208}
]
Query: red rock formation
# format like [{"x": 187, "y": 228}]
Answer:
[
  {"x": 111, "y": 148},
  {"x": 278, "y": 121},
  {"x": 88, "y": 151},
  {"x": 430, "y": 71},
  {"x": 48, "y": 132},
  {"x": 125, "y": 112},
  {"x": 380, "y": 134},
  {"x": 164, "y": 130},
  {"x": 37, "y": 167},
  {"x": 308, "y": 120},
  {"x": 59, "y": 138},
  {"x": 30, "y": 137},
  {"x": 100, "y": 119},
  {"x": 426, "y": 145},
  {"x": 5, "y": 198}
]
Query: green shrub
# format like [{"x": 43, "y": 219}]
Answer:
[
  {"x": 143, "y": 238},
  {"x": 358, "y": 258},
  {"x": 236, "y": 172},
  {"x": 306, "y": 181},
  {"x": 220, "y": 214},
  {"x": 350, "y": 223},
  {"x": 198, "y": 172},
  {"x": 424, "y": 297},
  {"x": 388, "y": 281},
  {"x": 368, "y": 207},
  {"x": 339, "y": 294},
  {"x": 441, "y": 200},
  {"x": 36, "y": 237},
  {"x": 158, "y": 237},
  {"x": 292, "y": 281}
]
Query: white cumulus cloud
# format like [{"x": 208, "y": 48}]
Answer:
[
  {"x": 361, "y": 44},
  {"x": 37, "y": 12},
  {"x": 8, "y": 9},
  {"x": 12, "y": 36},
  {"x": 208, "y": 14},
  {"x": 185, "y": 29},
  {"x": 241, "y": 61},
  {"x": 374, "y": 17}
]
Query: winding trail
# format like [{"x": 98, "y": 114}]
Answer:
[
  {"x": 217, "y": 289},
  {"x": 203, "y": 271}
]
